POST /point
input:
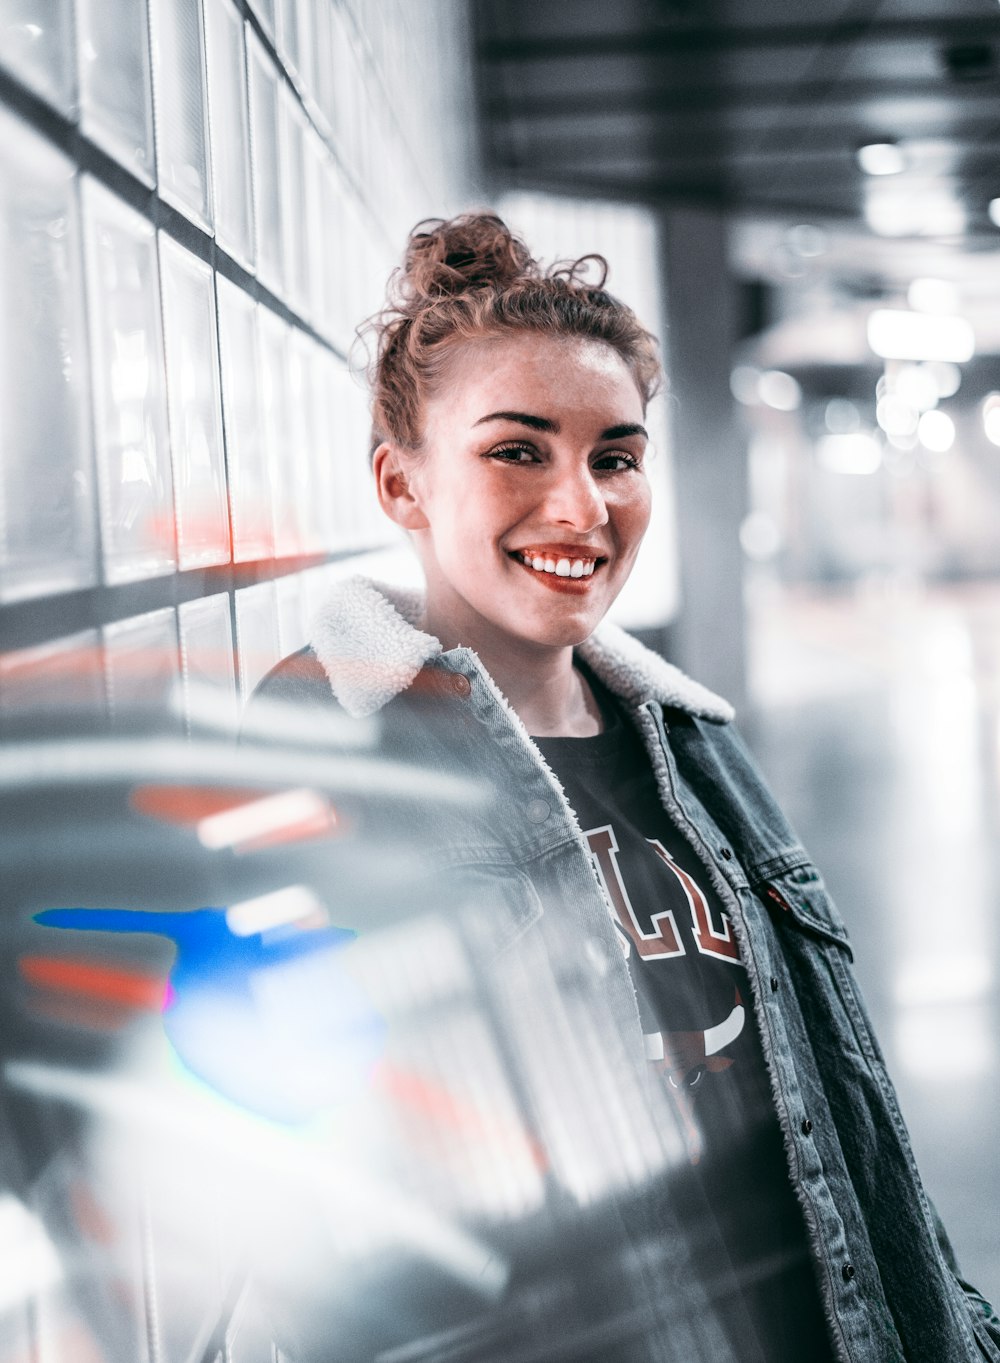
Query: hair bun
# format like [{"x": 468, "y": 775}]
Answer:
[{"x": 476, "y": 250}]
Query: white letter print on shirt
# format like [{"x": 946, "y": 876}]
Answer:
[{"x": 664, "y": 940}]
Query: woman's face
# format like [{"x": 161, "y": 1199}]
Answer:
[{"x": 529, "y": 500}]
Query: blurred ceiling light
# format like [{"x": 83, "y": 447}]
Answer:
[
  {"x": 841, "y": 416},
  {"x": 932, "y": 295},
  {"x": 993, "y": 211},
  {"x": 806, "y": 240},
  {"x": 881, "y": 158},
  {"x": 895, "y": 415},
  {"x": 279, "y": 909},
  {"x": 779, "y": 390},
  {"x": 936, "y": 431},
  {"x": 916, "y": 386},
  {"x": 743, "y": 384},
  {"x": 760, "y": 536},
  {"x": 890, "y": 213},
  {"x": 991, "y": 417},
  {"x": 857, "y": 453},
  {"x": 946, "y": 376},
  {"x": 896, "y": 334}
]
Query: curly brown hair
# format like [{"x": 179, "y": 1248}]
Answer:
[{"x": 470, "y": 278}]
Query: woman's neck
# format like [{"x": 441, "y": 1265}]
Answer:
[{"x": 550, "y": 696}]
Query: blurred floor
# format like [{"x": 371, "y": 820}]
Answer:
[{"x": 877, "y": 717}]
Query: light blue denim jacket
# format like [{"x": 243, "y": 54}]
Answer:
[{"x": 887, "y": 1277}]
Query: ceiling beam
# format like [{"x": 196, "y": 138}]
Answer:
[{"x": 644, "y": 42}]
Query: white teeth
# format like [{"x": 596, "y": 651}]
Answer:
[{"x": 562, "y": 567}]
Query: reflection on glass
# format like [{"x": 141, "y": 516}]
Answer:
[
  {"x": 257, "y": 642},
  {"x": 142, "y": 666},
  {"x": 246, "y": 450},
  {"x": 207, "y": 665},
  {"x": 115, "y": 92},
  {"x": 230, "y": 125},
  {"x": 194, "y": 406},
  {"x": 266, "y": 173},
  {"x": 36, "y": 45},
  {"x": 130, "y": 419},
  {"x": 279, "y": 451},
  {"x": 291, "y": 129},
  {"x": 181, "y": 111},
  {"x": 60, "y": 680},
  {"x": 47, "y": 521}
]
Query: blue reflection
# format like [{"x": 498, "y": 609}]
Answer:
[{"x": 274, "y": 1022}]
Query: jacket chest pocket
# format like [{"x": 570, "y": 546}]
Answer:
[{"x": 816, "y": 947}]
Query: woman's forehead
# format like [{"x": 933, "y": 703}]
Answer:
[{"x": 551, "y": 369}]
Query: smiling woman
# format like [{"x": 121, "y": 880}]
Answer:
[{"x": 726, "y": 1173}]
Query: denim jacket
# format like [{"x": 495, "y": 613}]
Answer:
[{"x": 887, "y": 1277}]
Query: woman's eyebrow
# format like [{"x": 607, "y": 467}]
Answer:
[
  {"x": 625, "y": 429},
  {"x": 536, "y": 423}
]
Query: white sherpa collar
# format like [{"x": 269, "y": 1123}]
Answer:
[{"x": 367, "y": 638}]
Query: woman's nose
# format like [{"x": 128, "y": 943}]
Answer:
[{"x": 576, "y": 500}]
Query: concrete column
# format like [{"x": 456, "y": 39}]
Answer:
[{"x": 707, "y": 637}]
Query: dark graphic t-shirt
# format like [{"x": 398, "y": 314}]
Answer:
[{"x": 746, "y": 1229}]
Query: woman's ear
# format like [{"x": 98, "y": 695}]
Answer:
[{"x": 394, "y": 489}]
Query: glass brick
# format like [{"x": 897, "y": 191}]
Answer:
[
  {"x": 276, "y": 421},
  {"x": 300, "y": 441},
  {"x": 208, "y": 667},
  {"x": 246, "y": 445},
  {"x": 258, "y": 644},
  {"x": 264, "y": 148},
  {"x": 194, "y": 407},
  {"x": 291, "y": 613},
  {"x": 230, "y": 127},
  {"x": 36, "y": 46},
  {"x": 325, "y": 378},
  {"x": 48, "y": 530},
  {"x": 291, "y": 130},
  {"x": 59, "y": 683},
  {"x": 143, "y": 672},
  {"x": 115, "y": 85},
  {"x": 264, "y": 10},
  {"x": 130, "y": 417},
  {"x": 182, "y": 149}
]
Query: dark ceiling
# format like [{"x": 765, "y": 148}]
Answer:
[{"x": 758, "y": 107}]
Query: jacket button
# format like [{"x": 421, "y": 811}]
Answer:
[
  {"x": 538, "y": 811},
  {"x": 807, "y": 1126},
  {"x": 461, "y": 686},
  {"x": 726, "y": 854},
  {"x": 847, "y": 1272},
  {"x": 774, "y": 984}
]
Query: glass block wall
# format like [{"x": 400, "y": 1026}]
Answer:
[{"x": 199, "y": 200}]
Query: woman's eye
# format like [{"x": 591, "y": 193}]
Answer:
[
  {"x": 616, "y": 460},
  {"x": 513, "y": 454}
]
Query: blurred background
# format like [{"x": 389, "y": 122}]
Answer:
[{"x": 201, "y": 199}]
